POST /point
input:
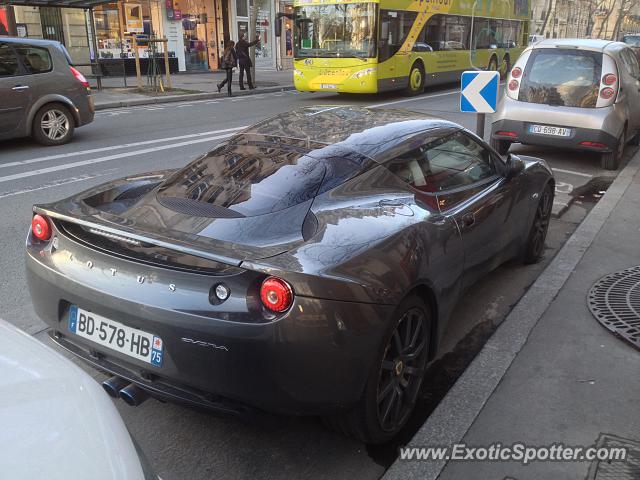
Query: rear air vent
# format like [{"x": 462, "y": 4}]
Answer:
[
  {"x": 195, "y": 208},
  {"x": 123, "y": 247}
]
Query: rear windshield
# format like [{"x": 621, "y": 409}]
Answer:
[
  {"x": 250, "y": 178},
  {"x": 569, "y": 78},
  {"x": 634, "y": 41}
]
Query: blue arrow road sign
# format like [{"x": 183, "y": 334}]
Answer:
[{"x": 479, "y": 91}]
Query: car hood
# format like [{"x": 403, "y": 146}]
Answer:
[{"x": 55, "y": 418}]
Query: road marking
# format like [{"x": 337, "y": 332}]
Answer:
[
  {"x": 67, "y": 166},
  {"x": 66, "y": 181},
  {"x": 116, "y": 147},
  {"x": 571, "y": 172},
  {"x": 413, "y": 99}
]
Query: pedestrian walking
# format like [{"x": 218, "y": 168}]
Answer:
[
  {"x": 229, "y": 62},
  {"x": 244, "y": 60}
]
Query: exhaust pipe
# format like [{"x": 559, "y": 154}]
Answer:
[
  {"x": 114, "y": 385},
  {"x": 133, "y": 395}
]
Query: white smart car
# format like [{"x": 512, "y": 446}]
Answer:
[{"x": 56, "y": 421}]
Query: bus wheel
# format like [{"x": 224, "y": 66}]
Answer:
[
  {"x": 416, "y": 80},
  {"x": 505, "y": 67},
  {"x": 493, "y": 65}
]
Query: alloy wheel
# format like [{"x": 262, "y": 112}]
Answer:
[
  {"x": 55, "y": 124},
  {"x": 402, "y": 370},
  {"x": 541, "y": 222}
]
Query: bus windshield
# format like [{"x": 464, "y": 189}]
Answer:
[{"x": 332, "y": 31}]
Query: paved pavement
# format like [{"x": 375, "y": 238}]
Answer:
[
  {"x": 120, "y": 92},
  {"x": 551, "y": 374},
  {"x": 183, "y": 443}
]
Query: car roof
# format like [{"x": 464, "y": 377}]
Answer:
[
  {"x": 367, "y": 131},
  {"x": 30, "y": 41},
  {"x": 578, "y": 43}
]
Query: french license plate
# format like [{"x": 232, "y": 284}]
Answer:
[
  {"x": 116, "y": 336},
  {"x": 549, "y": 130},
  {"x": 328, "y": 86}
]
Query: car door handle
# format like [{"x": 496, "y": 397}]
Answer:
[
  {"x": 19, "y": 88},
  {"x": 468, "y": 219}
]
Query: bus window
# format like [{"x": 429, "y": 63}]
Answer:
[
  {"x": 446, "y": 32},
  {"x": 483, "y": 35},
  {"x": 394, "y": 29}
]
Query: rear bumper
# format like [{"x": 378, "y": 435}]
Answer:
[
  {"x": 314, "y": 360},
  {"x": 578, "y": 135}
]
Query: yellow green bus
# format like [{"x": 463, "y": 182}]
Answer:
[{"x": 349, "y": 46}]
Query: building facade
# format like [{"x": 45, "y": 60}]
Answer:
[
  {"x": 196, "y": 30},
  {"x": 606, "y": 19}
]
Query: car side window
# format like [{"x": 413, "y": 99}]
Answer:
[
  {"x": 34, "y": 59},
  {"x": 631, "y": 63},
  {"x": 9, "y": 65},
  {"x": 451, "y": 162}
]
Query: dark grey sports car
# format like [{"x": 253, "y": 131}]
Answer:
[{"x": 306, "y": 266}]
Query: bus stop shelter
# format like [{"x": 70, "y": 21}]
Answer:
[{"x": 87, "y": 6}]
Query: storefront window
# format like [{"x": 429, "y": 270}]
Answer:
[
  {"x": 264, "y": 31},
  {"x": 194, "y": 25},
  {"x": 107, "y": 25}
]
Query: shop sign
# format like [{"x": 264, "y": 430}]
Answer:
[{"x": 133, "y": 17}]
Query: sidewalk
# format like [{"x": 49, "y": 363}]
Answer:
[
  {"x": 551, "y": 373},
  {"x": 186, "y": 86}
]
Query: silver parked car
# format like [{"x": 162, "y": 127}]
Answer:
[
  {"x": 57, "y": 423},
  {"x": 42, "y": 94},
  {"x": 571, "y": 93}
]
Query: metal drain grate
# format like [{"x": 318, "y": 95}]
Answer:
[
  {"x": 615, "y": 302},
  {"x": 627, "y": 469}
]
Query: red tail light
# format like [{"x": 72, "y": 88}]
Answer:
[
  {"x": 593, "y": 144},
  {"x": 609, "y": 79},
  {"x": 607, "y": 93},
  {"x": 516, "y": 72},
  {"x": 506, "y": 134},
  {"x": 276, "y": 294},
  {"x": 40, "y": 227},
  {"x": 80, "y": 77},
  {"x": 513, "y": 85}
]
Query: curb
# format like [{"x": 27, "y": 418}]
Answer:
[
  {"x": 187, "y": 97},
  {"x": 452, "y": 418}
]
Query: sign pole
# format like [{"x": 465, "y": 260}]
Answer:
[{"x": 480, "y": 125}]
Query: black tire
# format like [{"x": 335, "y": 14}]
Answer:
[
  {"x": 61, "y": 125},
  {"x": 612, "y": 160},
  {"x": 505, "y": 67},
  {"x": 501, "y": 146},
  {"x": 534, "y": 248},
  {"x": 493, "y": 64},
  {"x": 395, "y": 379},
  {"x": 416, "y": 80},
  {"x": 635, "y": 140}
]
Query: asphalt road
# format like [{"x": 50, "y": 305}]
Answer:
[{"x": 184, "y": 443}]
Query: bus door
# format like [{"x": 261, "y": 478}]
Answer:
[{"x": 393, "y": 63}]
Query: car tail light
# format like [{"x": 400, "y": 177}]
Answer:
[
  {"x": 276, "y": 294},
  {"x": 40, "y": 227},
  {"x": 506, "y": 134},
  {"x": 80, "y": 77},
  {"x": 593, "y": 144},
  {"x": 609, "y": 79},
  {"x": 607, "y": 93},
  {"x": 513, "y": 85},
  {"x": 516, "y": 72}
]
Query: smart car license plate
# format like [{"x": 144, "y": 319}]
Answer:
[
  {"x": 548, "y": 130},
  {"x": 328, "y": 86},
  {"x": 116, "y": 336}
]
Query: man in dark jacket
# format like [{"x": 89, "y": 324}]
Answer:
[{"x": 244, "y": 60}]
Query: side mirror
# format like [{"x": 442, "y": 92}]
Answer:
[{"x": 514, "y": 166}]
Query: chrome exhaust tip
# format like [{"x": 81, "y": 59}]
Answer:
[
  {"x": 133, "y": 395},
  {"x": 113, "y": 385}
]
